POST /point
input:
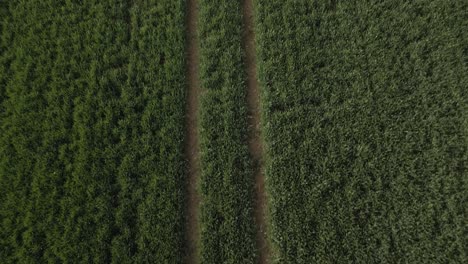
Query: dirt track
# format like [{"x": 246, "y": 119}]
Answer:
[
  {"x": 192, "y": 148},
  {"x": 255, "y": 141}
]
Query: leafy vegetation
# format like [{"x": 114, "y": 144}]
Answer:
[
  {"x": 364, "y": 114},
  {"x": 91, "y": 144},
  {"x": 364, "y": 108},
  {"x": 226, "y": 185}
]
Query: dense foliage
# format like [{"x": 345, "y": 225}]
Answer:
[
  {"x": 364, "y": 114},
  {"x": 91, "y": 142},
  {"x": 365, "y": 119},
  {"x": 226, "y": 184}
]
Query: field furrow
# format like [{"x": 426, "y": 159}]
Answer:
[
  {"x": 192, "y": 148},
  {"x": 255, "y": 140}
]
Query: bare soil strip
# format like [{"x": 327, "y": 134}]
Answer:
[
  {"x": 255, "y": 141},
  {"x": 192, "y": 147}
]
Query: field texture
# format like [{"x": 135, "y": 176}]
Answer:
[
  {"x": 365, "y": 120},
  {"x": 92, "y": 130},
  {"x": 226, "y": 184},
  {"x": 114, "y": 150}
]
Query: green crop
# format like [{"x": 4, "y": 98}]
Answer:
[
  {"x": 226, "y": 184},
  {"x": 364, "y": 107},
  {"x": 364, "y": 118},
  {"x": 92, "y": 131}
]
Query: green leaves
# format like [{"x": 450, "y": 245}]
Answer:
[
  {"x": 364, "y": 117},
  {"x": 354, "y": 115},
  {"x": 227, "y": 223},
  {"x": 91, "y": 157}
]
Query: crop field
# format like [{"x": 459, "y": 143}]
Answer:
[
  {"x": 365, "y": 120},
  {"x": 92, "y": 131},
  {"x": 226, "y": 186},
  {"x": 248, "y": 131}
]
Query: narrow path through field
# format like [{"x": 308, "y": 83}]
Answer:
[
  {"x": 192, "y": 148},
  {"x": 255, "y": 141}
]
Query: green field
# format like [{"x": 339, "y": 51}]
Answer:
[
  {"x": 365, "y": 119},
  {"x": 92, "y": 167},
  {"x": 364, "y": 125},
  {"x": 226, "y": 184}
]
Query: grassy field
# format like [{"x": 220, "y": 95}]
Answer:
[
  {"x": 226, "y": 184},
  {"x": 92, "y": 131},
  {"x": 364, "y": 118},
  {"x": 365, "y": 109}
]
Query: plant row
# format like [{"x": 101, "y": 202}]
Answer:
[{"x": 226, "y": 181}]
